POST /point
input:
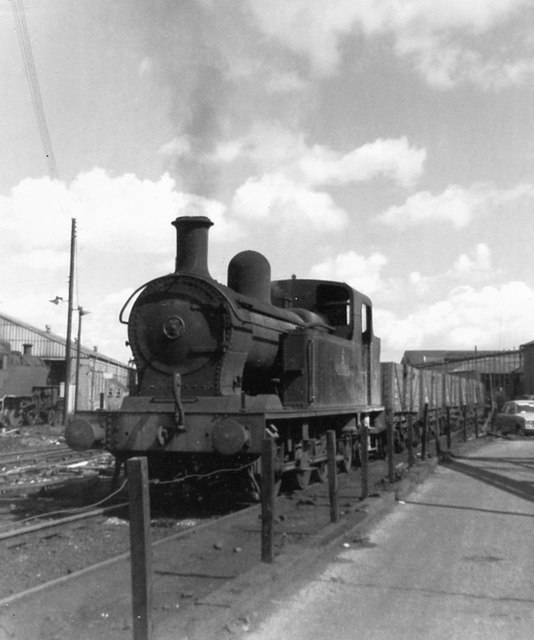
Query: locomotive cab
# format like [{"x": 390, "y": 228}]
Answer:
[{"x": 345, "y": 364}]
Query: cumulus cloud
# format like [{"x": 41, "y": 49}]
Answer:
[
  {"x": 419, "y": 283},
  {"x": 492, "y": 317},
  {"x": 392, "y": 158},
  {"x": 275, "y": 199},
  {"x": 285, "y": 178},
  {"x": 110, "y": 211},
  {"x": 477, "y": 262},
  {"x": 289, "y": 174},
  {"x": 290, "y": 177},
  {"x": 362, "y": 273},
  {"x": 309, "y": 28},
  {"x": 447, "y": 42},
  {"x": 273, "y": 148},
  {"x": 456, "y": 205},
  {"x": 473, "y": 266},
  {"x": 177, "y": 147}
]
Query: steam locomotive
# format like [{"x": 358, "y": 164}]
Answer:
[
  {"x": 220, "y": 368},
  {"x": 25, "y": 396}
]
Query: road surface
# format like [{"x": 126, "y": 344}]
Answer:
[{"x": 454, "y": 561}]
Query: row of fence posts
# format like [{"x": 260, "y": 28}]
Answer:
[
  {"x": 139, "y": 511},
  {"x": 436, "y": 431},
  {"x": 139, "y": 501}
]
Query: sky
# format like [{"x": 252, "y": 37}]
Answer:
[{"x": 384, "y": 143}]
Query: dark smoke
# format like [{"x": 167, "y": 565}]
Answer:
[
  {"x": 185, "y": 41},
  {"x": 203, "y": 130}
]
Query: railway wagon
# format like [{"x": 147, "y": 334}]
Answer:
[
  {"x": 407, "y": 391},
  {"x": 222, "y": 367}
]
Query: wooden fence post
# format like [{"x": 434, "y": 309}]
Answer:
[
  {"x": 411, "y": 457},
  {"x": 425, "y": 431},
  {"x": 391, "y": 454},
  {"x": 267, "y": 499},
  {"x": 437, "y": 434},
  {"x": 364, "y": 457},
  {"x": 448, "y": 427},
  {"x": 332, "y": 475},
  {"x": 464, "y": 426},
  {"x": 140, "y": 548}
]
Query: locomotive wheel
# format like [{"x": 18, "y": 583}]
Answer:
[
  {"x": 302, "y": 478},
  {"x": 12, "y": 419},
  {"x": 322, "y": 471},
  {"x": 257, "y": 481},
  {"x": 344, "y": 448}
]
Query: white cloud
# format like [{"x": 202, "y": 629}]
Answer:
[
  {"x": 444, "y": 64},
  {"x": 419, "y": 283},
  {"x": 177, "y": 147},
  {"x": 288, "y": 175},
  {"x": 440, "y": 37},
  {"x": 307, "y": 27},
  {"x": 273, "y": 148},
  {"x": 492, "y": 317},
  {"x": 275, "y": 199},
  {"x": 456, "y": 205},
  {"x": 110, "y": 212},
  {"x": 479, "y": 262},
  {"x": 362, "y": 273},
  {"x": 392, "y": 158}
]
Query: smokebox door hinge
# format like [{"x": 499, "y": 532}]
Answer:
[{"x": 179, "y": 417}]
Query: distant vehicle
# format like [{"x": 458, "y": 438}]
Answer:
[{"x": 516, "y": 416}]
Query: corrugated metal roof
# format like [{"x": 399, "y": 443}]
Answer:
[
  {"x": 417, "y": 357},
  {"x": 506, "y": 363},
  {"x": 45, "y": 344}
]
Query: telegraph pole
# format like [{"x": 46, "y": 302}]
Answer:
[{"x": 68, "y": 363}]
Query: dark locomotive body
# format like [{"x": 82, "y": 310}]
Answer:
[
  {"x": 222, "y": 367},
  {"x": 23, "y": 381}
]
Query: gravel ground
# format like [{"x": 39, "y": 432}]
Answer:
[
  {"x": 36, "y": 562},
  {"x": 28, "y": 563}
]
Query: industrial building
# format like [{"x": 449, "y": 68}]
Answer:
[
  {"x": 505, "y": 374},
  {"x": 102, "y": 381}
]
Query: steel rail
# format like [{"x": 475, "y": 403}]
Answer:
[
  {"x": 60, "y": 523},
  {"x": 75, "y": 575}
]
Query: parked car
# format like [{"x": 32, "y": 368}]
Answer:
[{"x": 516, "y": 416}]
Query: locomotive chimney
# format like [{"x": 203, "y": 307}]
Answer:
[
  {"x": 192, "y": 245},
  {"x": 27, "y": 349}
]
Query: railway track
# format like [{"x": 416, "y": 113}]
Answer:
[
  {"x": 33, "y": 469},
  {"x": 190, "y": 566},
  {"x": 19, "y": 535},
  {"x": 38, "y": 455}
]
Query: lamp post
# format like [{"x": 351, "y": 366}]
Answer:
[
  {"x": 68, "y": 364},
  {"x": 81, "y": 313},
  {"x": 56, "y": 300}
]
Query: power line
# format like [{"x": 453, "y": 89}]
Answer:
[{"x": 31, "y": 75}]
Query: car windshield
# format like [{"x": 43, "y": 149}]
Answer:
[{"x": 525, "y": 408}]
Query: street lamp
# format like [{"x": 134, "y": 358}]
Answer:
[{"x": 68, "y": 368}]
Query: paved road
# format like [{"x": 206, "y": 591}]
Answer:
[{"x": 455, "y": 561}]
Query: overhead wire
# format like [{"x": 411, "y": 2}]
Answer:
[{"x": 35, "y": 91}]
